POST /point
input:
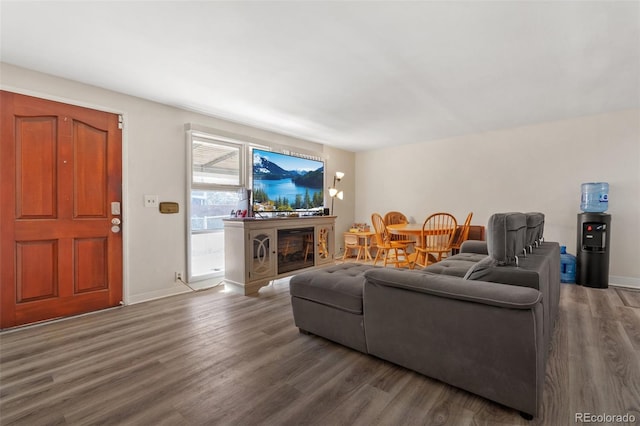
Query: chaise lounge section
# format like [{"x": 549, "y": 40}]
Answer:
[{"x": 488, "y": 337}]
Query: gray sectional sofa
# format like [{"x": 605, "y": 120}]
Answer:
[{"x": 481, "y": 320}]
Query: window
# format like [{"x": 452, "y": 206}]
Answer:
[
  {"x": 215, "y": 189},
  {"x": 215, "y": 162}
]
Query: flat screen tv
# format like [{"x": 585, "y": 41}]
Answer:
[{"x": 286, "y": 183}]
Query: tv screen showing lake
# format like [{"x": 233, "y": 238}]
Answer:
[
  {"x": 283, "y": 188},
  {"x": 286, "y": 182}
]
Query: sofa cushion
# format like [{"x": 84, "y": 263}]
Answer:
[
  {"x": 468, "y": 257},
  {"x": 506, "y": 237},
  {"x": 477, "y": 268},
  {"x": 474, "y": 246},
  {"x": 535, "y": 228},
  {"x": 338, "y": 286},
  {"x": 531, "y": 272},
  {"x": 456, "y": 265}
]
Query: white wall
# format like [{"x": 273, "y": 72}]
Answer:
[
  {"x": 342, "y": 161},
  {"x": 154, "y": 163},
  {"x": 532, "y": 168}
]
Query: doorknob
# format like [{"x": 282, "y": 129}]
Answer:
[
  {"x": 115, "y": 229},
  {"x": 115, "y": 221}
]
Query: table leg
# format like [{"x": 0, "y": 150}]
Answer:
[{"x": 367, "y": 248}]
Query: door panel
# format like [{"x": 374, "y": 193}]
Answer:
[
  {"x": 90, "y": 267},
  {"x": 37, "y": 271},
  {"x": 61, "y": 170},
  {"x": 90, "y": 171},
  {"x": 36, "y": 168}
]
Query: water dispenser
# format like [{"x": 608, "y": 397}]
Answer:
[{"x": 592, "y": 257}]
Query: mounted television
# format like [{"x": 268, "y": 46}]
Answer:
[{"x": 287, "y": 183}]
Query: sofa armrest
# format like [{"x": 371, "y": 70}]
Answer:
[
  {"x": 474, "y": 246},
  {"x": 488, "y": 293}
]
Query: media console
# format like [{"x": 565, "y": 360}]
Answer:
[{"x": 257, "y": 251}]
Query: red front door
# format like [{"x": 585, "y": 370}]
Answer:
[{"x": 61, "y": 189}]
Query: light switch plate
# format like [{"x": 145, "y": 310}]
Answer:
[{"x": 151, "y": 201}]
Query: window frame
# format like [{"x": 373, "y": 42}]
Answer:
[{"x": 191, "y": 186}]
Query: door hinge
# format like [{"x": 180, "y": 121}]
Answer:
[{"x": 120, "y": 125}]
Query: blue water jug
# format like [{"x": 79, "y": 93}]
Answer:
[
  {"x": 567, "y": 266},
  {"x": 595, "y": 197}
]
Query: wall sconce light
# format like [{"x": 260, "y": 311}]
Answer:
[{"x": 333, "y": 190}]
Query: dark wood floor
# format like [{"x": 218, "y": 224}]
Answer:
[{"x": 211, "y": 358}]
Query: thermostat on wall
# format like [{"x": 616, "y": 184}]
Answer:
[{"x": 168, "y": 207}]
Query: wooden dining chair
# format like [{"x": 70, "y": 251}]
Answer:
[
  {"x": 393, "y": 218},
  {"x": 392, "y": 251},
  {"x": 461, "y": 235},
  {"x": 438, "y": 231}
]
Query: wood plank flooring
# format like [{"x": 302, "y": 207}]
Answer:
[{"x": 213, "y": 358}]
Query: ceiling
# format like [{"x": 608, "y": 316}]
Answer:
[{"x": 355, "y": 75}]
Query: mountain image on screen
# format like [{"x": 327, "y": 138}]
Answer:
[
  {"x": 284, "y": 182},
  {"x": 263, "y": 169}
]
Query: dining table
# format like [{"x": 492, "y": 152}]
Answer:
[
  {"x": 415, "y": 229},
  {"x": 405, "y": 228}
]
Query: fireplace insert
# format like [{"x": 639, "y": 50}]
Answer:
[{"x": 295, "y": 249}]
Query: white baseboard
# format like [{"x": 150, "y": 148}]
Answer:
[
  {"x": 629, "y": 282},
  {"x": 159, "y": 294},
  {"x": 207, "y": 284}
]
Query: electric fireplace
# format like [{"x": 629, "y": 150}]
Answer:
[{"x": 295, "y": 249}]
